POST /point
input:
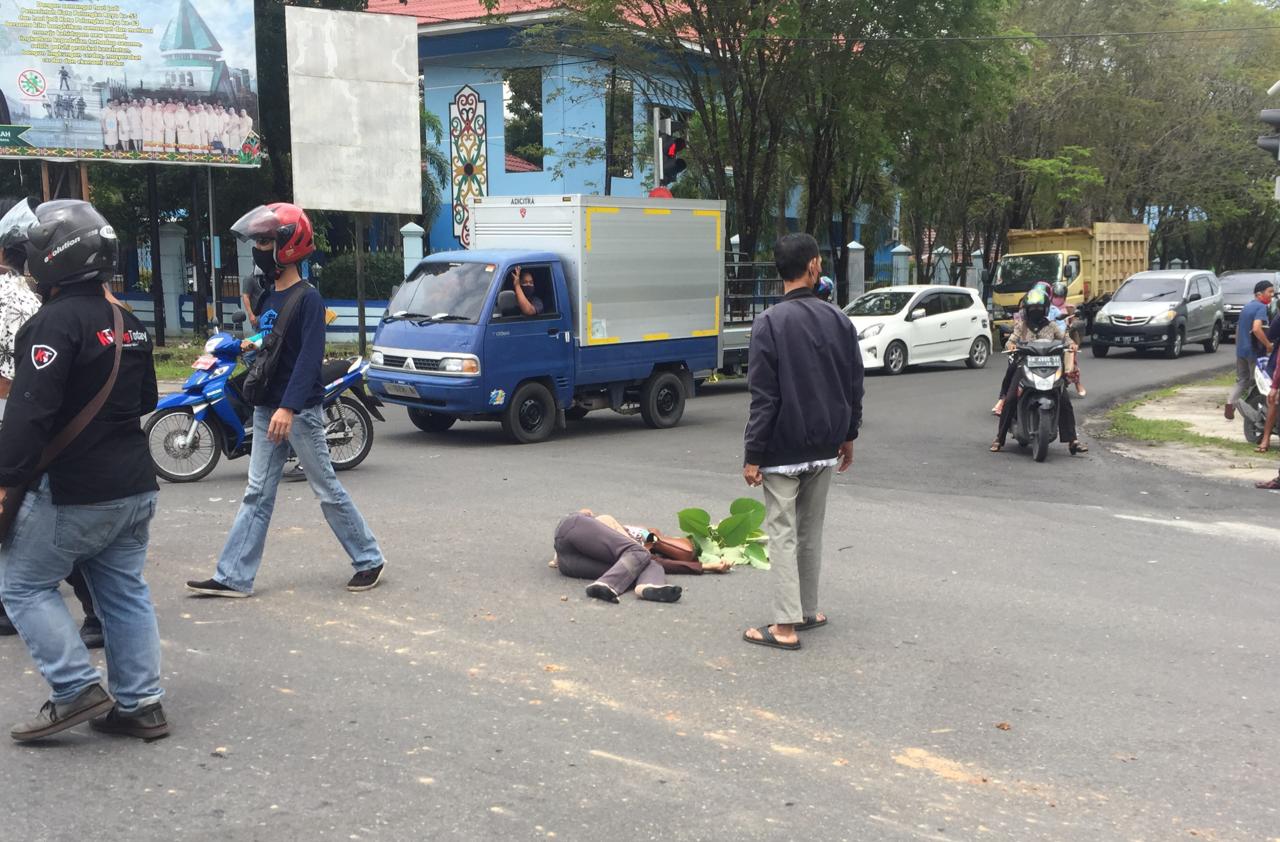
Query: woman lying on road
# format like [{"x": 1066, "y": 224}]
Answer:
[
  {"x": 1035, "y": 325},
  {"x": 590, "y": 546}
]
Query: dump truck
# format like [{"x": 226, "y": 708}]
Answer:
[
  {"x": 1093, "y": 262},
  {"x": 619, "y": 309}
]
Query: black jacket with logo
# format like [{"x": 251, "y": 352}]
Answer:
[
  {"x": 805, "y": 373},
  {"x": 64, "y": 355}
]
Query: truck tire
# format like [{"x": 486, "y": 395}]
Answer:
[
  {"x": 530, "y": 416},
  {"x": 662, "y": 400},
  {"x": 1215, "y": 339},
  {"x": 1174, "y": 349},
  {"x": 895, "y": 358},
  {"x": 1099, "y": 349},
  {"x": 431, "y": 422}
]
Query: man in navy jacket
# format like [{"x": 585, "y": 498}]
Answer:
[{"x": 804, "y": 371}]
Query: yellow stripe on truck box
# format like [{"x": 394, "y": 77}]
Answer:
[
  {"x": 654, "y": 337},
  {"x": 715, "y": 330},
  {"x": 599, "y": 210},
  {"x": 597, "y": 340},
  {"x": 657, "y": 211},
  {"x": 716, "y": 214}
]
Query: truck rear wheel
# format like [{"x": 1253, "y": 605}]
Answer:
[
  {"x": 662, "y": 400},
  {"x": 530, "y": 417},
  {"x": 431, "y": 422}
]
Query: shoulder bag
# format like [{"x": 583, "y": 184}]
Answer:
[
  {"x": 257, "y": 382},
  {"x": 14, "y": 496}
]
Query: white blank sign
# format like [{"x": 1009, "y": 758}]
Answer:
[{"x": 353, "y": 111}]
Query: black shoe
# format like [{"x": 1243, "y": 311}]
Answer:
[
  {"x": 295, "y": 474},
  {"x": 6, "y": 626},
  {"x": 148, "y": 723},
  {"x": 52, "y": 718},
  {"x": 366, "y": 580},
  {"x": 601, "y": 591},
  {"x": 661, "y": 593},
  {"x": 91, "y": 633},
  {"x": 212, "y": 587}
]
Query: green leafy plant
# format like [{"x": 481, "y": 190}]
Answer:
[{"x": 737, "y": 539}]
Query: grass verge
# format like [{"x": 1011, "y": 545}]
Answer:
[
  {"x": 1125, "y": 424},
  {"x": 173, "y": 362}
]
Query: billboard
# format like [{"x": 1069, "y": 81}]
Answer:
[
  {"x": 134, "y": 81},
  {"x": 354, "y": 110}
]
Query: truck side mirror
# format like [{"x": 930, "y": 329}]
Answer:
[
  {"x": 1069, "y": 271},
  {"x": 507, "y": 304}
]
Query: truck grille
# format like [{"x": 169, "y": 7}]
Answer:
[
  {"x": 393, "y": 361},
  {"x": 1130, "y": 321}
]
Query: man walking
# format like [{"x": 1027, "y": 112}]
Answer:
[
  {"x": 804, "y": 371},
  {"x": 1251, "y": 342},
  {"x": 290, "y": 413},
  {"x": 84, "y": 378}
]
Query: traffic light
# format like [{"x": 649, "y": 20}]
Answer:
[
  {"x": 1270, "y": 143},
  {"x": 671, "y": 142}
]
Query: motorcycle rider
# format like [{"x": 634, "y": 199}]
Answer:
[
  {"x": 291, "y": 415},
  {"x": 1036, "y": 324},
  {"x": 1062, "y": 312},
  {"x": 94, "y": 504}
]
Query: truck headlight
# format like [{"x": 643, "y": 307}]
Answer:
[
  {"x": 377, "y": 358},
  {"x": 459, "y": 365},
  {"x": 1165, "y": 317},
  {"x": 871, "y": 330}
]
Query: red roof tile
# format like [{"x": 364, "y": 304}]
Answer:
[
  {"x": 449, "y": 11},
  {"x": 517, "y": 164}
]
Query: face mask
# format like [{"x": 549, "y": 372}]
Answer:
[{"x": 266, "y": 261}]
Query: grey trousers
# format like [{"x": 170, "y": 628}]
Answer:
[
  {"x": 797, "y": 510},
  {"x": 587, "y": 549},
  {"x": 1244, "y": 377}
]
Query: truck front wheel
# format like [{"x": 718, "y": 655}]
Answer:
[
  {"x": 431, "y": 422},
  {"x": 530, "y": 417},
  {"x": 662, "y": 400}
]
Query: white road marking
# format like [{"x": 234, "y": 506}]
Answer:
[{"x": 1219, "y": 529}]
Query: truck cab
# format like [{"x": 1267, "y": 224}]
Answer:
[{"x": 1016, "y": 274}]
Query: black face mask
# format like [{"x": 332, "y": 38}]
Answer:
[{"x": 266, "y": 261}]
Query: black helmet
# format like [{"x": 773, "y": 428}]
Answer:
[{"x": 68, "y": 242}]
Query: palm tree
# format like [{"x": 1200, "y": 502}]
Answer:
[{"x": 435, "y": 170}]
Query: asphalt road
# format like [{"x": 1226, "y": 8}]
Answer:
[{"x": 1119, "y": 618}]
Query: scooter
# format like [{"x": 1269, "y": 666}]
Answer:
[
  {"x": 209, "y": 418},
  {"x": 1041, "y": 388},
  {"x": 1253, "y": 404}
]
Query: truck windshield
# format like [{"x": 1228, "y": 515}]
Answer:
[
  {"x": 879, "y": 304},
  {"x": 445, "y": 291},
  {"x": 1020, "y": 272},
  {"x": 1150, "y": 289}
]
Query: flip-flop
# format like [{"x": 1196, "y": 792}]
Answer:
[
  {"x": 767, "y": 639},
  {"x": 1269, "y": 485},
  {"x": 661, "y": 593},
  {"x": 602, "y": 592},
  {"x": 811, "y": 623}
]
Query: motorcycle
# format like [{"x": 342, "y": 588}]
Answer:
[
  {"x": 1253, "y": 404},
  {"x": 1041, "y": 388},
  {"x": 209, "y": 418}
]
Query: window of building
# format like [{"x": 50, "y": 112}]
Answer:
[
  {"x": 621, "y": 102},
  {"x": 522, "y": 112}
]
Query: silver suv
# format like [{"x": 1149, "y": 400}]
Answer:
[{"x": 1162, "y": 310}]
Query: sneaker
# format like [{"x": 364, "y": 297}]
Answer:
[
  {"x": 366, "y": 580},
  {"x": 295, "y": 474},
  {"x": 212, "y": 587},
  {"x": 91, "y": 633},
  {"x": 92, "y": 702},
  {"x": 148, "y": 723}
]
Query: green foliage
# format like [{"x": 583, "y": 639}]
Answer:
[
  {"x": 382, "y": 271},
  {"x": 524, "y": 114},
  {"x": 736, "y": 539}
]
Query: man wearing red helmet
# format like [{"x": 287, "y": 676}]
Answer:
[{"x": 290, "y": 414}]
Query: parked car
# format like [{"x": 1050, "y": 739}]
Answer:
[
  {"x": 1162, "y": 310},
  {"x": 1237, "y": 291},
  {"x": 911, "y": 325}
]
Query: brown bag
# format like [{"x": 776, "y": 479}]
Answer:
[
  {"x": 675, "y": 555},
  {"x": 14, "y": 496}
]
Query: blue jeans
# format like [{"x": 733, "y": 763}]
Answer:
[
  {"x": 242, "y": 555},
  {"x": 109, "y": 542}
]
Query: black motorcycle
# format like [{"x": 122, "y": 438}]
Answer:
[{"x": 1041, "y": 391}]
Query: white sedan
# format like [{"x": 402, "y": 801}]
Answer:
[{"x": 913, "y": 325}]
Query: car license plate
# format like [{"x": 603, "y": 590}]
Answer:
[
  {"x": 1042, "y": 362},
  {"x": 204, "y": 362},
  {"x": 400, "y": 390}
]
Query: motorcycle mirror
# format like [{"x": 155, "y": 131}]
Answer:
[{"x": 238, "y": 318}]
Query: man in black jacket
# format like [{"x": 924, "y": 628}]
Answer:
[
  {"x": 804, "y": 371},
  {"x": 93, "y": 505}
]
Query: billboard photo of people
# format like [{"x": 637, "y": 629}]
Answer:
[{"x": 146, "y": 81}]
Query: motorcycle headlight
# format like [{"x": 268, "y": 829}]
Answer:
[
  {"x": 870, "y": 331},
  {"x": 1165, "y": 317},
  {"x": 377, "y": 358},
  {"x": 459, "y": 365},
  {"x": 212, "y": 344}
]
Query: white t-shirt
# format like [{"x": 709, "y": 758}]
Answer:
[{"x": 17, "y": 304}]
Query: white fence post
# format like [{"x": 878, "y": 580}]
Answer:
[{"x": 411, "y": 236}]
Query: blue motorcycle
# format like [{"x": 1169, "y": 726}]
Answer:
[{"x": 192, "y": 429}]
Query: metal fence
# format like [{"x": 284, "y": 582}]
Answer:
[{"x": 749, "y": 289}]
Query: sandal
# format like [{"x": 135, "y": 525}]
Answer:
[
  {"x": 1077, "y": 447},
  {"x": 1269, "y": 485},
  {"x": 998, "y": 408},
  {"x": 767, "y": 639},
  {"x": 811, "y": 623},
  {"x": 1262, "y": 448},
  {"x": 996, "y": 446}
]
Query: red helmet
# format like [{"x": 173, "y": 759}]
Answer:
[{"x": 282, "y": 224}]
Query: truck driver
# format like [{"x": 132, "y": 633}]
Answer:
[{"x": 529, "y": 301}]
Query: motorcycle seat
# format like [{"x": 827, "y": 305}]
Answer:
[{"x": 333, "y": 369}]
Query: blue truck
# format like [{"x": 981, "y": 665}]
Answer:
[{"x": 619, "y": 309}]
